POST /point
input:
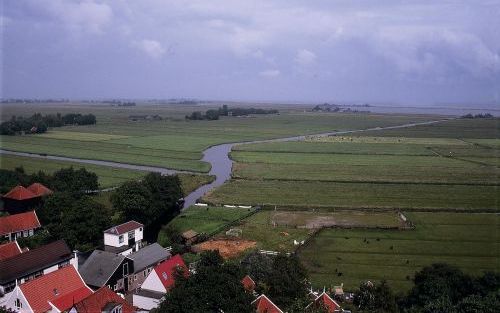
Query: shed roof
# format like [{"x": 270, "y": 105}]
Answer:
[
  {"x": 148, "y": 256},
  {"x": 19, "y": 193},
  {"x": 124, "y": 228},
  {"x": 39, "y": 189},
  {"x": 9, "y": 250},
  {"x": 18, "y": 222},
  {"x": 34, "y": 260},
  {"x": 189, "y": 234},
  {"x": 99, "y": 267}
]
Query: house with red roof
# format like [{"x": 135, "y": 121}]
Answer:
[
  {"x": 103, "y": 300},
  {"x": 159, "y": 281},
  {"x": 263, "y": 305},
  {"x": 19, "y": 225},
  {"x": 326, "y": 302},
  {"x": 55, "y": 292},
  {"x": 20, "y": 199},
  {"x": 124, "y": 238},
  {"x": 9, "y": 250},
  {"x": 248, "y": 284}
]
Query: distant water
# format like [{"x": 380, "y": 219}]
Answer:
[{"x": 451, "y": 111}]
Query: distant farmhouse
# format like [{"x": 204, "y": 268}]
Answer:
[{"x": 20, "y": 199}]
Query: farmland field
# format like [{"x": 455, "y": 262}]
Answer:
[
  {"x": 469, "y": 241},
  {"x": 174, "y": 142}
]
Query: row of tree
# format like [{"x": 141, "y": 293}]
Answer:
[
  {"x": 480, "y": 115},
  {"x": 214, "y": 114},
  {"x": 216, "y": 287},
  {"x": 39, "y": 123}
]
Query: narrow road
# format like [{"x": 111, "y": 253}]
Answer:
[{"x": 217, "y": 156}]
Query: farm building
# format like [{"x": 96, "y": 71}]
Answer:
[
  {"x": 19, "y": 225},
  {"x": 20, "y": 199},
  {"x": 189, "y": 236}
]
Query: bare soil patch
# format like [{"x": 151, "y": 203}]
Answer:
[{"x": 228, "y": 247}]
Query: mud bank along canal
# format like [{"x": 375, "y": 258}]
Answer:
[{"x": 217, "y": 156}]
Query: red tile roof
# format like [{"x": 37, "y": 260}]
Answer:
[
  {"x": 263, "y": 305},
  {"x": 166, "y": 270},
  {"x": 248, "y": 283},
  {"x": 124, "y": 228},
  {"x": 66, "y": 301},
  {"x": 327, "y": 302},
  {"x": 9, "y": 250},
  {"x": 98, "y": 300},
  {"x": 51, "y": 287},
  {"x": 39, "y": 189},
  {"x": 18, "y": 222},
  {"x": 19, "y": 193}
]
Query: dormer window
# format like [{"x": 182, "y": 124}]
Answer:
[
  {"x": 120, "y": 239},
  {"x": 165, "y": 276},
  {"x": 56, "y": 292}
]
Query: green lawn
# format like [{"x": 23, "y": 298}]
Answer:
[
  {"x": 311, "y": 194},
  {"x": 470, "y": 241}
]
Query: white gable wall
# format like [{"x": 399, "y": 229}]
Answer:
[
  {"x": 145, "y": 303},
  {"x": 10, "y": 303},
  {"x": 153, "y": 283}
]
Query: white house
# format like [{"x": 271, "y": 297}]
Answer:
[{"x": 124, "y": 238}]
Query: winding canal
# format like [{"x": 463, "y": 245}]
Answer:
[{"x": 217, "y": 156}]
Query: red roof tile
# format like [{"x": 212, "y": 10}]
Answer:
[
  {"x": 39, "y": 189},
  {"x": 18, "y": 222},
  {"x": 19, "y": 193},
  {"x": 66, "y": 301},
  {"x": 263, "y": 305},
  {"x": 99, "y": 299},
  {"x": 9, "y": 250},
  {"x": 166, "y": 270},
  {"x": 248, "y": 283},
  {"x": 327, "y": 302},
  {"x": 51, "y": 287},
  {"x": 124, "y": 228}
]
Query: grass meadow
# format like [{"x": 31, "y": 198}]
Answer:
[{"x": 350, "y": 256}]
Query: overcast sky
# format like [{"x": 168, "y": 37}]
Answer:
[{"x": 408, "y": 52}]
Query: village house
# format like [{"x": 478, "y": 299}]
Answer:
[
  {"x": 19, "y": 225},
  {"x": 124, "y": 238},
  {"x": 144, "y": 261},
  {"x": 34, "y": 263},
  {"x": 263, "y": 305},
  {"x": 9, "y": 250},
  {"x": 104, "y": 268},
  {"x": 103, "y": 300},
  {"x": 20, "y": 199},
  {"x": 158, "y": 282},
  {"x": 54, "y": 292},
  {"x": 326, "y": 302}
]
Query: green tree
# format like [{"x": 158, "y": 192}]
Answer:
[
  {"x": 215, "y": 287},
  {"x": 77, "y": 181},
  {"x": 375, "y": 298},
  {"x": 133, "y": 200}
]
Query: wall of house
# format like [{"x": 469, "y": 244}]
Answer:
[
  {"x": 144, "y": 302},
  {"x": 11, "y": 300},
  {"x": 113, "y": 240},
  {"x": 118, "y": 276},
  {"x": 139, "y": 234},
  {"x": 154, "y": 283},
  {"x": 135, "y": 281}
]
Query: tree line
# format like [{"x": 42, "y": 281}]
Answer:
[
  {"x": 480, "y": 115},
  {"x": 214, "y": 114},
  {"x": 39, "y": 123}
]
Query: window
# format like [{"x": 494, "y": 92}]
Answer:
[
  {"x": 115, "y": 288},
  {"x": 26, "y": 233},
  {"x": 125, "y": 269},
  {"x": 120, "y": 239},
  {"x": 140, "y": 229},
  {"x": 117, "y": 309},
  {"x": 135, "y": 277},
  {"x": 18, "y": 304},
  {"x": 31, "y": 232},
  {"x": 131, "y": 235},
  {"x": 165, "y": 276}
]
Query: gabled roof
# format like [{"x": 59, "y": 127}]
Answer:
[
  {"x": 99, "y": 267},
  {"x": 34, "y": 260},
  {"x": 327, "y": 302},
  {"x": 18, "y": 222},
  {"x": 248, "y": 283},
  {"x": 148, "y": 256},
  {"x": 100, "y": 299},
  {"x": 166, "y": 270},
  {"x": 263, "y": 305},
  {"x": 39, "y": 189},
  {"x": 9, "y": 250},
  {"x": 66, "y": 301},
  {"x": 123, "y": 228},
  {"x": 51, "y": 287},
  {"x": 19, "y": 193}
]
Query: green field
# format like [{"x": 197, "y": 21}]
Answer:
[
  {"x": 174, "y": 142},
  {"x": 469, "y": 241}
]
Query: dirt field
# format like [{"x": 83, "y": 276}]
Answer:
[
  {"x": 228, "y": 248},
  {"x": 310, "y": 220}
]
